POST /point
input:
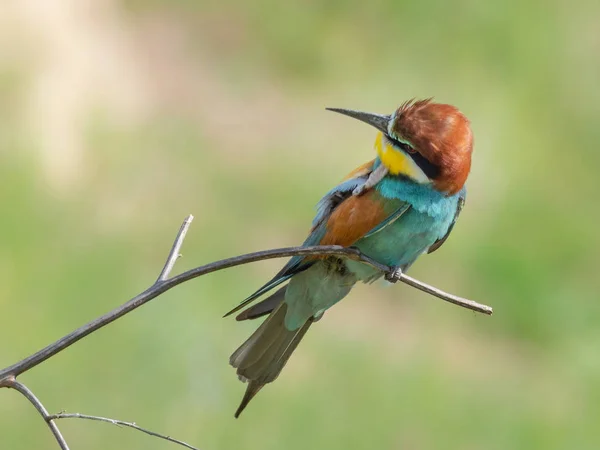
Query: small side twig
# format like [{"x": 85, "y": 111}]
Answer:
[
  {"x": 174, "y": 253},
  {"x": 120, "y": 423},
  {"x": 8, "y": 375},
  {"x": 12, "y": 382}
]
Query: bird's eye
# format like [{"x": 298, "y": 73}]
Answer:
[{"x": 409, "y": 149}]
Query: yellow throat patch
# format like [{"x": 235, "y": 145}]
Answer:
[{"x": 396, "y": 161}]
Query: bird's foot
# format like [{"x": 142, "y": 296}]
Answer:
[
  {"x": 360, "y": 190},
  {"x": 394, "y": 275}
]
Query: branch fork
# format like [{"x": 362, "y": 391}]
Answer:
[{"x": 8, "y": 375}]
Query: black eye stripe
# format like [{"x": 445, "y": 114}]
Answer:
[{"x": 431, "y": 170}]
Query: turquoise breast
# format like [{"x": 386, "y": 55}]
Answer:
[{"x": 401, "y": 243}]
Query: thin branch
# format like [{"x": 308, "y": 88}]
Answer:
[
  {"x": 174, "y": 254},
  {"x": 12, "y": 383},
  {"x": 161, "y": 286},
  {"x": 81, "y": 332},
  {"x": 451, "y": 298},
  {"x": 120, "y": 423}
]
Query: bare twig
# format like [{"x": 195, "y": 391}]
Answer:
[
  {"x": 451, "y": 298},
  {"x": 12, "y": 383},
  {"x": 174, "y": 253},
  {"x": 120, "y": 423},
  {"x": 8, "y": 375},
  {"x": 164, "y": 283},
  {"x": 161, "y": 286},
  {"x": 153, "y": 291}
]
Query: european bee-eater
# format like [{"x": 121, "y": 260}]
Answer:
[{"x": 394, "y": 208}]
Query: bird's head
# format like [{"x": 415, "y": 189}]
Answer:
[{"x": 425, "y": 141}]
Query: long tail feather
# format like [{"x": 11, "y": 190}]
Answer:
[
  {"x": 262, "y": 357},
  {"x": 251, "y": 391},
  {"x": 263, "y": 290},
  {"x": 264, "y": 307},
  {"x": 295, "y": 265}
]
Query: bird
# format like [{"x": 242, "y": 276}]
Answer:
[{"x": 394, "y": 208}]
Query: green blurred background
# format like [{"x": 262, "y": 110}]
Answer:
[{"x": 119, "y": 118}]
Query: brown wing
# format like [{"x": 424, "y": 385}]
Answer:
[
  {"x": 326, "y": 208},
  {"x": 354, "y": 218}
]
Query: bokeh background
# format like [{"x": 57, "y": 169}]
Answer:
[{"x": 119, "y": 118}]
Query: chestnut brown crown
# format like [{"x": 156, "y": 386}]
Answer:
[{"x": 442, "y": 135}]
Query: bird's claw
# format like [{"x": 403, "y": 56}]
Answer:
[{"x": 394, "y": 275}]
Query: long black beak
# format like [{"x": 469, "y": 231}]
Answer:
[{"x": 379, "y": 121}]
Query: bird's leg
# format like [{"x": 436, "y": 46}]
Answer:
[
  {"x": 376, "y": 176},
  {"x": 394, "y": 275}
]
